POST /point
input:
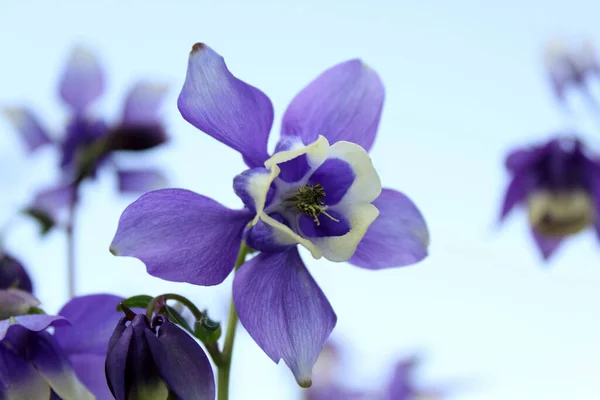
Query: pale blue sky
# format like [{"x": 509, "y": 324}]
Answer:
[{"x": 464, "y": 83}]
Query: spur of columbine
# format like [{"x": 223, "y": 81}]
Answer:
[{"x": 319, "y": 189}]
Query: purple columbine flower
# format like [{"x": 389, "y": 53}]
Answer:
[
  {"x": 88, "y": 142},
  {"x": 570, "y": 65},
  {"x": 559, "y": 183},
  {"x": 32, "y": 364},
  {"x": 156, "y": 361},
  {"x": 319, "y": 189},
  {"x": 13, "y": 274}
]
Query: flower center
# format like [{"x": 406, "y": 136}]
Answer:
[
  {"x": 309, "y": 200},
  {"x": 561, "y": 214}
]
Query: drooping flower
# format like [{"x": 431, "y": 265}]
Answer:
[
  {"x": 559, "y": 184},
  {"x": 13, "y": 274},
  {"x": 156, "y": 360},
  {"x": 85, "y": 340},
  {"x": 319, "y": 189},
  {"x": 88, "y": 142},
  {"x": 32, "y": 364},
  {"x": 16, "y": 302},
  {"x": 570, "y": 65}
]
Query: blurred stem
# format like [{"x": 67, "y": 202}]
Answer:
[
  {"x": 70, "y": 231},
  {"x": 225, "y": 367}
]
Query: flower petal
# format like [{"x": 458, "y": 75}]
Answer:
[
  {"x": 398, "y": 237},
  {"x": 52, "y": 200},
  {"x": 141, "y": 180},
  {"x": 284, "y": 310},
  {"x": 116, "y": 359},
  {"x": 82, "y": 81},
  {"x": 182, "y": 363},
  {"x": 181, "y": 236},
  {"x": 92, "y": 320},
  {"x": 28, "y": 126},
  {"x": 13, "y": 274},
  {"x": 15, "y": 302},
  {"x": 224, "y": 107},
  {"x": 143, "y": 104},
  {"x": 517, "y": 192},
  {"x": 91, "y": 372},
  {"x": 253, "y": 187},
  {"x": 343, "y": 103},
  {"x": 34, "y": 323},
  {"x": 546, "y": 244},
  {"x": 52, "y": 363},
  {"x": 19, "y": 379}
]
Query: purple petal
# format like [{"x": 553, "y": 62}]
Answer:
[
  {"x": 343, "y": 103},
  {"x": 53, "y": 364},
  {"x": 82, "y": 81},
  {"x": 92, "y": 320},
  {"x": 401, "y": 387},
  {"x": 398, "y": 237},
  {"x": 263, "y": 237},
  {"x": 143, "y": 104},
  {"x": 517, "y": 192},
  {"x": 54, "y": 199},
  {"x": 29, "y": 127},
  {"x": 181, "y": 236},
  {"x": 327, "y": 226},
  {"x": 34, "y": 323},
  {"x": 284, "y": 310},
  {"x": 19, "y": 379},
  {"x": 15, "y": 302},
  {"x": 116, "y": 359},
  {"x": 546, "y": 244},
  {"x": 13, "y": 274},
  {"x": 142, "y": 376},
  {"x": 336, "y": 176},
  {"x": 294, "y": 169},
  {"x": 141, "y": 180},
  {"x": 182, "y": 363},
  {"x": 90, "y": 371},
  {"x": 224, "y": 107}
]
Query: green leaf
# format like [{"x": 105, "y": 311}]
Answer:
[{"x": 139, "y": 301}]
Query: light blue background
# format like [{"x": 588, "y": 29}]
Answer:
[{"x": 465, "y": 83}]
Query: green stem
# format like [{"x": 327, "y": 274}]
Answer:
[
  {"x": 225, "y": 367},
  {"x": 71, "y": 272}
]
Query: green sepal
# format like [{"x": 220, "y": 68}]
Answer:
[{"x": 44, "y": 219}]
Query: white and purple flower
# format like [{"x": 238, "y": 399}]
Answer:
[
  {"x": 319, "y": 189},
  {"x": 559, "y": 184}
]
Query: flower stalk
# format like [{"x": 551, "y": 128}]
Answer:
[{"x": 225, "y": 367}]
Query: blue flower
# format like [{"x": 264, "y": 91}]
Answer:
[{"x": 319, "y": 189}]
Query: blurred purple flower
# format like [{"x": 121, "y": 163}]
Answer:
[
  {"x": 32, "y": 364},
  {"x": 328, "y": 198},
  {"x": 16, "y": 302},
  {"x": 559, "y": 183},
  {"x": 329, "y": 386},
  {"x": 570, "y": 65},
  {"x": 88, "y": 142},
  {"x": 157, "y": 360},
  {"x": 13, "y": 274}
]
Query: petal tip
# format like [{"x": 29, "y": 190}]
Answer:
[
  {"x": 198, "y": 47},
  {"x": 304, "y": 382},
  {"x": 113, "y": 251}
]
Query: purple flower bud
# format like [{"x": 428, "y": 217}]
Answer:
[{"x": 153, "y": 361}]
